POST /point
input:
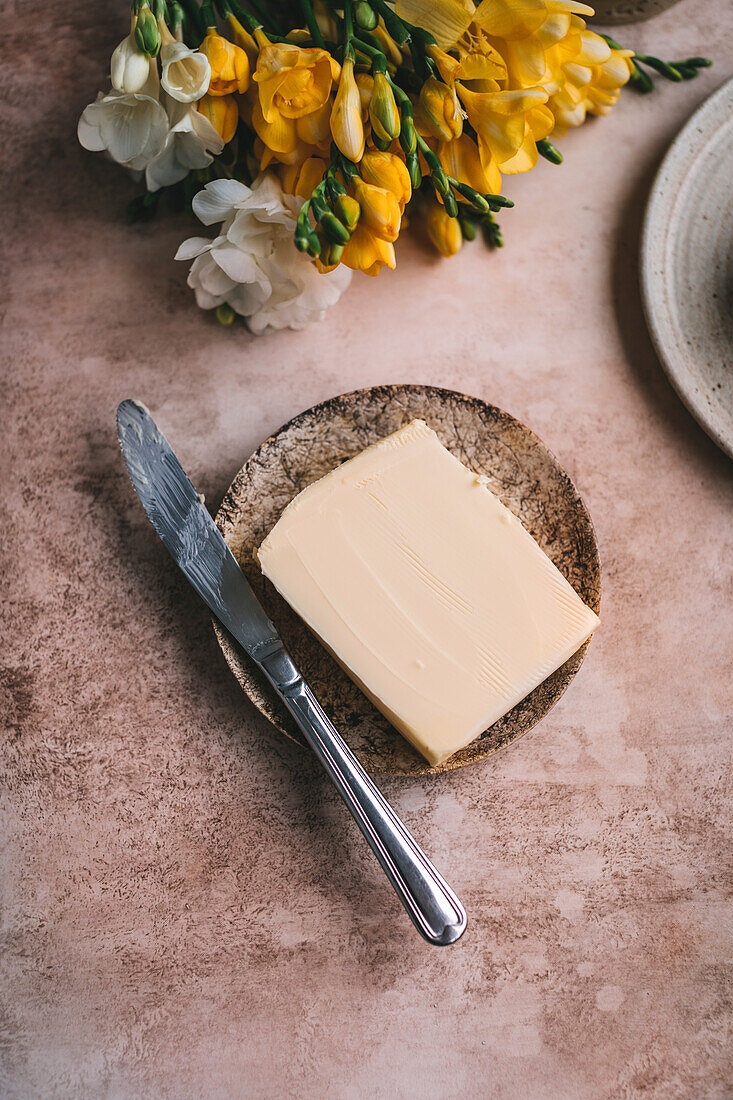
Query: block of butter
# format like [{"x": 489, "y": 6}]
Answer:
[{"x": 428, "y": 591}]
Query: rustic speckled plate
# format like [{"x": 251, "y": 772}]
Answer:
[
  {"x": 687, "y": 265},
  {"x": 520, "y": 469}
]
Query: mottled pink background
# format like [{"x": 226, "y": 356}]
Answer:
[{"x": 187, "y": 910}]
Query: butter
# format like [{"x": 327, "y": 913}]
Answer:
[{"x": 428, "y": 591}]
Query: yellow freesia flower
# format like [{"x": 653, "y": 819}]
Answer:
[
  {"x": 347, "y": 127},
  {"x": 291, "y": 111},
  {"x": 590, "y": 90},
  {"x": 444, "y": 232},
  {"x": 368, "y": 253},
  {"x": 499, "y": 119},
  {"x": 437, "y": 113},
  {"x": 380, "y": 210},
  {"x": 389, "y": 171},
  {"x": 229, "y": 64},
  {"x": 222, "y": 113}
]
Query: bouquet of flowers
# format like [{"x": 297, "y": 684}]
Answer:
[{"x": 307, "y": 130}]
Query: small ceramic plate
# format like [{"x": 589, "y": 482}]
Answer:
[
  {"x": 521, "y": 471},
  {"x": 687, "y": 265}
]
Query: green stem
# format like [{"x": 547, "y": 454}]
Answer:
[
  {"x": 662, "y": 67},
  {"x": 396, "y": 27},
  {"x": 207, "y": 15},
  {"x": 348, "y": 30},
  {"x": 312, "y": 23},
  {"x": 194, "y": 16},
  {"x": 376, "y": 56}
]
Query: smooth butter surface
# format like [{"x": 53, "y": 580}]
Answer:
[{"x": 427, "y": 590}]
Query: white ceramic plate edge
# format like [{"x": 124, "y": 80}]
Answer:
[{"x": 658, "y": 308}]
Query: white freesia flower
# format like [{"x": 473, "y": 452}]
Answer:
[
  {"x": 253, "y": 264},
  {"x": 186, "y": 73},
  {"x": 131, "y": 126},
  {"x": 190, "y": 142},
  {"x": 129, "y": 67}
]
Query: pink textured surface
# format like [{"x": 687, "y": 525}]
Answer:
[{"x": 187, "y": 910}]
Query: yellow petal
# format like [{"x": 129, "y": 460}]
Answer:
[
  {"x": 446, "y": 20},
  {"x": 526, "y": 61},
  {"x": 387, "y": 170},
  {"x": 310, "y": 176},
  {"x": 593, "y": 49},
  {"x": 553, "y": 30},
  {"x": 444, "y": 231},
  {"x": 315, "y": 128},
  {"x": 368, "y": 253},
  {"x": 279, "y": 135},
  {"x": 570, "y": 6},
  {"x": 501, "y": 103},
  {"x": 481, "y": 65},
  {"x": 461, "y": 159},
  {"x": 524, "y": 159},
  {"x": 510, "y": 19}
]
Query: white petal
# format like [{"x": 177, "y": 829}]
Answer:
[
  {"x": 205, "y": 272},
  {"x": 87, "y": 129},
  {"x": 204, "y": 300},
  {"x": 192, "y": 247},
  {"x": 185, "y": 73},
  {"x": 216, "y": 201},
  {"x": 238, "y": 265},
  {"x": 205, "y": 132}
]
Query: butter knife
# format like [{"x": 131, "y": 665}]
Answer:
[{"x": 189, "y": 533}]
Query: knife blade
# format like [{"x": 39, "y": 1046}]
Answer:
[
  {"x": 187, "y": 530},
  {"x": 189, "y": 533}
]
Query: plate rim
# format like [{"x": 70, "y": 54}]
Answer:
[
  {"x": 654, "y": 289},
  {"x": 227, "y": 515}
]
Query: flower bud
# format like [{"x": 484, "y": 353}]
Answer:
[
  {"x": 348, "y": 211},
  {"x": 147, "y": 34},
  {"x": 225, "y": 314},
  {"x": 364, "y": 16},
  {"x": 444, "y": 231},
  {"x": 383, "y": 113},
  {"x": 438, "y": 110},
  {"x": 347, "y": 127},
  {"x": 335, "y": 230},
  {"x": 229, "y": 64},
  {"x": 413, "y": 167},
  {"x": 129, "y": 67}
]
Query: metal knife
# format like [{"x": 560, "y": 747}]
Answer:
[{"x": 189, "y": 533}]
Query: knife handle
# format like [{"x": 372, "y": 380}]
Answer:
[{"x": 432, "y": 906}]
